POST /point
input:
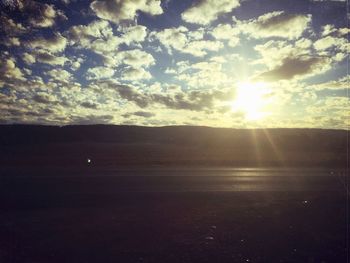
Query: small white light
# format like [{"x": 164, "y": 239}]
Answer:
[{"x": 88, "y": 160}]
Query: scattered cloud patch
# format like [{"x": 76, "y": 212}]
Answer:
[
  {"x": 119, "y": 10},
  {"x": 55, "y": 44},
  {"x": 227, "y": 32},
  {"x": 9, "y": 70},
  {"x": 47, "y": 58},
  {"x": 144, "y": 114},
  {"x": 131, "y": 73},
  {"x": 276, "y": 24},
  {"x": 40, "y": 14},
  {"x": 99, "y": 73},
  {"x": 296, "y": 68},
  {"x": 205, "y": 11},
  {"x": 181, "y": 40}
]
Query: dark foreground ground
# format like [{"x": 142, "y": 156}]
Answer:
[{"x": 40, "y": 224}]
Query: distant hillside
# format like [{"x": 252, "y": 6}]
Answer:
[{"x": 107, "y": 145}]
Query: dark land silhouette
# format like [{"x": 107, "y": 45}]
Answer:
[
  {"x": 166, "y": 195},
  {"x": 114, "y": 146}
]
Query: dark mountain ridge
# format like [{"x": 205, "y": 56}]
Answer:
[{"x": 112, "y": 145}]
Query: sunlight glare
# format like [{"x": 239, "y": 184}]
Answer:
[{"x": 250, "y": 99}]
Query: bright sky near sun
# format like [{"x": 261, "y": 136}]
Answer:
[{"x": 225, "y": 63}]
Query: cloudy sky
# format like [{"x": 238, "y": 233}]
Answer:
[{"x": 223, "y": 63}]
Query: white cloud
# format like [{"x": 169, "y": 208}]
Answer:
[
  {"x": 44, "y": 97},
  {"x": 49, "y": 58},
  {"x": 9, "y": 70},
  {"x": 118, "y": 10},
  {"x": 13, "y": 41},
  {"x": 330, "y": 112},
  {"x": 57, "y": 43},
  {"x": 98, "y": 36},
  {"x": 105, "y": 46},
  {"x": 28, "y": 58},
  {"x": 10, "y": 31},
  {"x": 199, "y": 48},
  {"x": 60, "y": 75},
  {"x": 75, "y": 65},
  {"x": 276, "y": 24},
  {"x": 328, "y": 29},
  {"x": 197, "y": 34},
  {"x": 181, "y": 66},
  {"x": 227, "y": 32},
  {"x": 135, "y": 58},
  {"x": 96, "y": 29},
  {"x": 273, "y": 52},
  {"x": 343, "y": 31},
  {"x": 325, "y": 43},
  {"x": 173, "y": 37},
  {"x": 10, "y": 26},
  {"x": 296, "y": 68},
  {"x": 205, "y": 11},
  {"x": 179, "y": 39},
  {"x": 135, "y": 74},
  {"x": 340, "y": 84},
  {"x": 329, "y": 42},
  {"x": 334, "y": 47},
  {"x": 135, "y": 34},
  {"x": 41, "y": 14},
  {"x": 203, "y": 75},
  {"x": 99, "y": 73}
]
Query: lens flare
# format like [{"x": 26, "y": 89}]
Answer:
[{"x": 251, "y": 99}]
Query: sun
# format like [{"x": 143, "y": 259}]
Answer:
[{"x": 251, "y": 99}]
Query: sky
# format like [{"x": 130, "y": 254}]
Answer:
[{"x": 220, "y": 63}]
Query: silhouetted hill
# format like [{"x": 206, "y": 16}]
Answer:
[{"x": 108, "y": 145}]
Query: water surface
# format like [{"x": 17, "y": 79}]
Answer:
[{"x": 174, "y": 180}]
